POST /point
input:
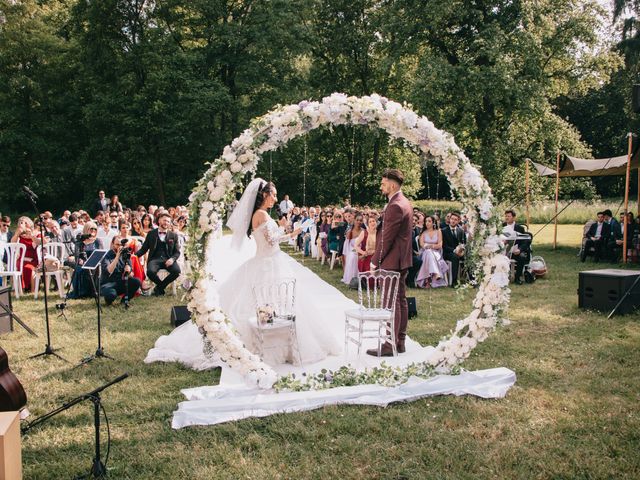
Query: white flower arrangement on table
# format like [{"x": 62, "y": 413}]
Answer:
[{"x": 216, "y": 189}]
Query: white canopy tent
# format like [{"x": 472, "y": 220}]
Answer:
[{"x": 568, "y": 166}]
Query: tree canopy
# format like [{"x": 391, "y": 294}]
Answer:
[{"x": 134, "y": 96}]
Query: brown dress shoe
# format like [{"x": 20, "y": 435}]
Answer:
[
  {"x": 385, "y": 351},
  {"x": 401, "y": 348}
]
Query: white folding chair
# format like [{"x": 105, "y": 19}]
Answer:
[
  {"x": 51, "y": 250},
  {"x": 280, "y": 297},
  {"x": 15, "y": 263},
  {"x": 377, "y": 291},
  {"x": 334, "y": 255}
]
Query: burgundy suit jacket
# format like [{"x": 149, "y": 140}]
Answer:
[{"x": 394, "y": 239}]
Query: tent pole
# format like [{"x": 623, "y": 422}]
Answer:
[
  {"x": 526, "y": 188},
  {"x": 555, "y": 220},
  {"x": 626, "y": 199}
]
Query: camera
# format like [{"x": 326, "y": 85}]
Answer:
[
  {"x": 49, "y": 235},
  {"x": 125, "y": 252},
  {"x": 81, "y": 237}
]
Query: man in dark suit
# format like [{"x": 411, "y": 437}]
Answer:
[
  {"x": 394, "y": 251},
  {"x": 99, "y": 204},
  {"x": 519, "y": 250},
  {"x": 598, "y": 236},
  {"x": 164, "y": 251},
  {"x": 5, "y": 237},
  {"x": 453, "y": 245}
]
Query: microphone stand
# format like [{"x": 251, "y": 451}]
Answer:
[
  {"x": 48, "y": 349},
  {"x": 98, "y": 469},
  {"x": 96, "y": 292}
]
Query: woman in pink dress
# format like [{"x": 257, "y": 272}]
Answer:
[{"x": 433, "y": 268}]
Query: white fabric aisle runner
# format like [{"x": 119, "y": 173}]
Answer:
[{"x": 225, "y": 403}]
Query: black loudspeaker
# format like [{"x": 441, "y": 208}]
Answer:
[
  {"x": 6, "y": 320},
  {"x": 413, "y": 308},
  {"x": 603, "y": 289},
  {"x": 179, "y": 315},
  {"x": 635, "y": 98}
]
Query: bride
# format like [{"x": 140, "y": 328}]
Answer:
[{"x": 319, "y": 306}]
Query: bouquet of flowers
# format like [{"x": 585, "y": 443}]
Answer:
[{"x": 265, "y": 314}]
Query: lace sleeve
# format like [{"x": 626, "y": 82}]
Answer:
[{"x": 274, "y": 234}]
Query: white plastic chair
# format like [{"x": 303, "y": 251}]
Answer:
[
  {"x": 51, "y": 250},
  {"x": 377, "y": 291},
  {"x": 280, "y": 296},
  {"x": 15, "y": 263}
]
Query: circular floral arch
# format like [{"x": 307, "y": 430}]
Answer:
[{"x": 217, "y": 188}]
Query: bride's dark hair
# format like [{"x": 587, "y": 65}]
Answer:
[{"x": 265, "y": 189}]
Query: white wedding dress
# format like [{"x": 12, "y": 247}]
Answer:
[{"x": 319, "y": 306}]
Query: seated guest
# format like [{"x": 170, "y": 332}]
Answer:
[
  {"x": 632, "y": 231},
  {"x": 324, "y": 233},
  {"x": 25, "y": 235},
  {"x": 445, "y": 223},
  {"x": 453, "y": 245},
  {"x": 5, "y": 234},
  {"x": 337, "y": 234},
  {"x": 164, "y": 251},
  {"x": 81, "y": 286},
  {"x": 5, "y": 237},
  {"x": 136, "y": 229},
  {"x": 115, "y": 205},
  {"x": 349, "y": 250},
  {"x": 418, "y": 227},
  {"x": 597, "y": 238},
  {"x": 366, "y": 244},
  {"x": 133, "y": 246},
  {"x": 614, "y": 229},
  {"x": 99, "y": 217},
  {"x": 109, "y": 229},
  {"x": 519, "y": 250},
  {"x": 147, "y": 223},
  {"x": 432, "y": 265},
  {"x": 117, "y": 275}
]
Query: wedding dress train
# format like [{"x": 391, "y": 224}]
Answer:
[{"x": 320, "y": 307}]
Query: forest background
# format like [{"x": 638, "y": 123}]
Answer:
[{"x": 135, "y": 96}]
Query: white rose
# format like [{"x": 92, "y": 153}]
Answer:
[
  {"x": 217, "y": 194},
  {"x": 235, "y": 167},
  {"x": 228, "y": 155},
  {"x": 226, "y": 175}
]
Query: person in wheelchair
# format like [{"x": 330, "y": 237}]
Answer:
[{"x": 520, "y": 248}]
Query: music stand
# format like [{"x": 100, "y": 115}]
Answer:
[
  {"x": 93, "y": 266},
  {"x": 5, "y": 305}
]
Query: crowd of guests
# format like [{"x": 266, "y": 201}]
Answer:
[
  {"x": 347, "y": 235},
  {"x": 150, "y": 237},
  {"x": 343, "y": 235},
  {"x": 604, "y": 237}
]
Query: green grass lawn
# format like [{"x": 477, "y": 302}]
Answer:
[{"x": 573, "y": 412}]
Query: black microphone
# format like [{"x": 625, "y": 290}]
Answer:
[{"x": 29, "y": 192}]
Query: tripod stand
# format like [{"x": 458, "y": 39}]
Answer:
[
  {"x": 6, "y": 306},
  {"x": 48, "y": 349},
  {"x": 95, "y": 259},
  {"x": 98, "y": 468}
]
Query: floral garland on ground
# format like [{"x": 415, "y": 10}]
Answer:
[{"x": 217, "y": 188}]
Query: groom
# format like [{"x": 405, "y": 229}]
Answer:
[{"x": 394, "y": 251}]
